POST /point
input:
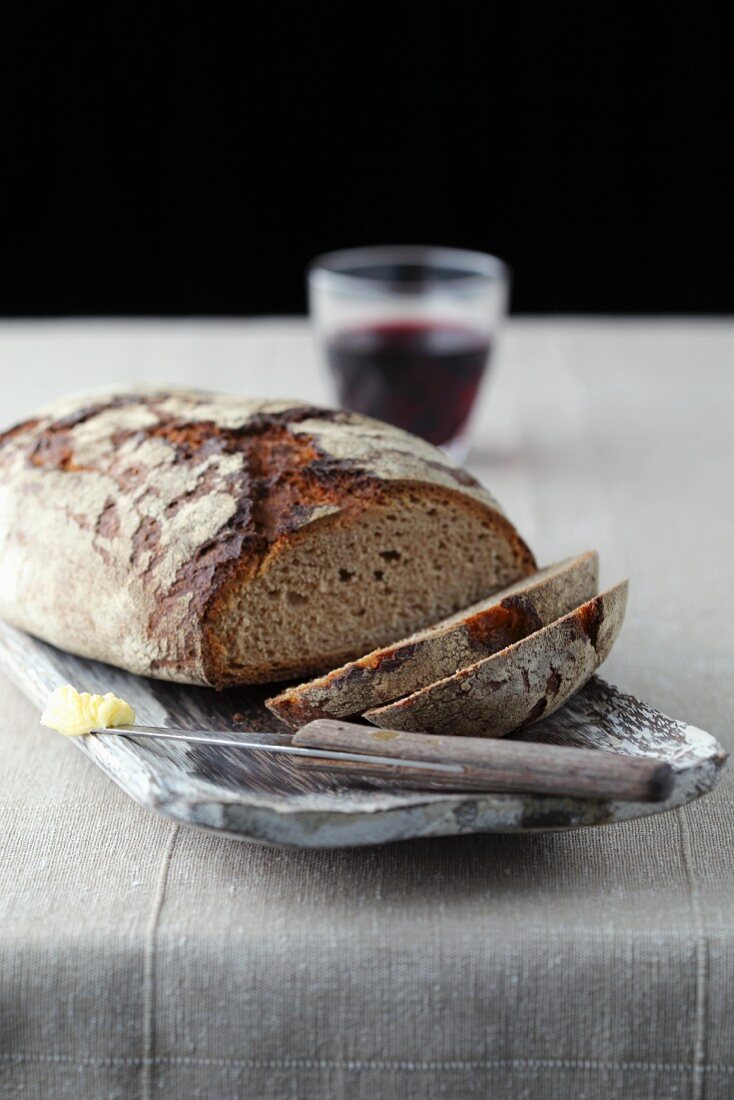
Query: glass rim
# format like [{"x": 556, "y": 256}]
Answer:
[{"x": 477, "y": 269}]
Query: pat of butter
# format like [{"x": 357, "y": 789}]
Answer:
[{"x": 75, "y": 713}]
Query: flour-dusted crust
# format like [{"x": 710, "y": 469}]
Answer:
[
  {"x": 527, "y": 681},
  {"x": 474, "y": 633},
  {"x": 129, "y": 522}
]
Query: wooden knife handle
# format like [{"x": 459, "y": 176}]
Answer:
[{"x": 493, "y": 764}]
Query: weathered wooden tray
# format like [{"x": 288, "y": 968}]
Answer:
[{"x": 259, "y": 797}]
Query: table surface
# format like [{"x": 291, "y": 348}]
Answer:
[{"x": 140, "y": 958}]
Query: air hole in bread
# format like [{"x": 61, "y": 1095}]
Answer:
[
  {"x": 346, "y": 574},
  {"x": 390, "y": 555},
  {"x": 296, "y": 599}
]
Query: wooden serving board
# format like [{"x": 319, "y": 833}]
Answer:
[{"x": 260, "y": 797}]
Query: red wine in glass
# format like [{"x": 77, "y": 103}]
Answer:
[{"x": 423, "y": 376}]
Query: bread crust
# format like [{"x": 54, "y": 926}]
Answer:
[
  {"x": 125, "y": 518},
  {"x": 480, "y": 630},
  {"x": 523, "y": 683}
]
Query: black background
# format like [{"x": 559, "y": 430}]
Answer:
[{"x": 171, "y": 161}]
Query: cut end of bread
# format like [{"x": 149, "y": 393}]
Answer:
[{"x": 359, "y": 580}]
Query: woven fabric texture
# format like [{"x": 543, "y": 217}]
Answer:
[{"x": 139, "y": 959}]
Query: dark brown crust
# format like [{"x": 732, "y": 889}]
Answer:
[
  {"x": 285, "y": 476},
  {"x": 591, "y": 617},
  {"x": 514, "y": 618}
]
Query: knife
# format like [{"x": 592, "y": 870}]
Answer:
[
  {"x": 194, "y": 737},
  {"x": 450, "y": 763}
]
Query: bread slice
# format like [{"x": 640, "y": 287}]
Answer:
[
  {"x": 519, "y": 685},
  {"x": 221, "y": 540},
  {"x": 477, "y": 631}
]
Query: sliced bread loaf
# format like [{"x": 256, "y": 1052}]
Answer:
[
  {"x": 476, "y": 632},
  {"x": 519, "y": 685},
  {"x": 219, "y": 540}
]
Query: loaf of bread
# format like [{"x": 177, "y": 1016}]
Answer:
[
  {"x": 217, "y": 540},
  {"x": 517, "y": 686},
  {"x": 476, "y": 632}
]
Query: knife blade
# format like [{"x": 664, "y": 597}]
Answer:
[{"x": 160, "y": 733}]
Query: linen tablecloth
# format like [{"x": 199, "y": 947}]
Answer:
[{"x": 141, "y": 959}]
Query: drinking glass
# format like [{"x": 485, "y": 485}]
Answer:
[{"x": 408, "y": 331}]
